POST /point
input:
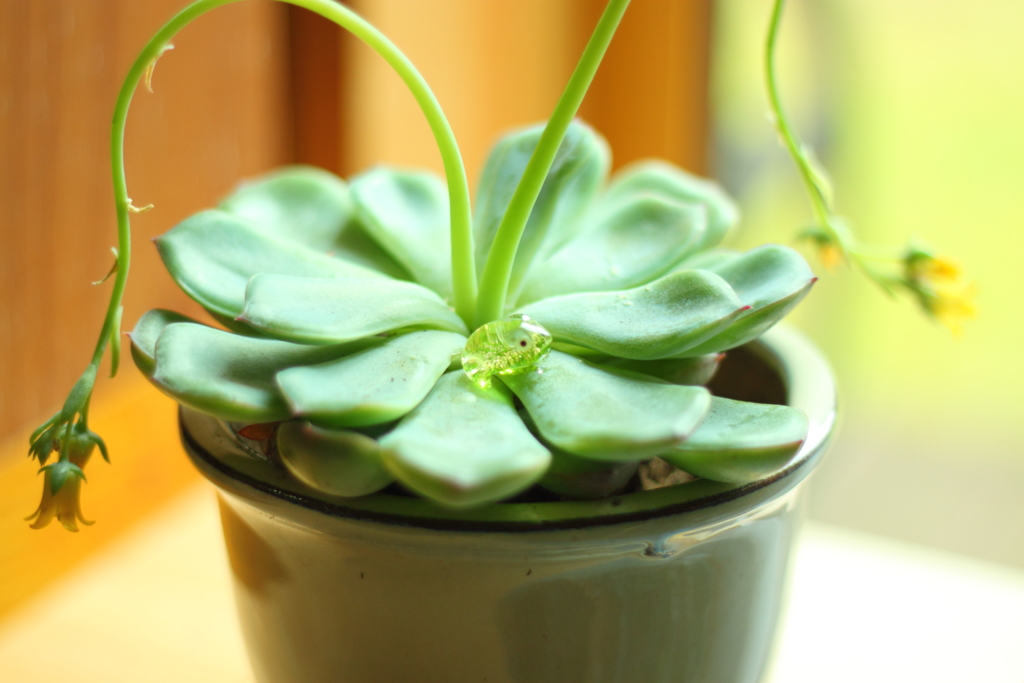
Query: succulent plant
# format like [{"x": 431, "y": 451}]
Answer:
[
  {"x": 337, "y": 296},
  {"x": 356, "y": 326}
]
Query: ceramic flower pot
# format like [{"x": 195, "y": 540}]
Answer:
[{"x": 681, "y": 583}]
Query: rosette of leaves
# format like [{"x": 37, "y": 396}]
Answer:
[{"x": 337, "y": 299}]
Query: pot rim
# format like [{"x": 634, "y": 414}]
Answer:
[{"x": 804, "y": 372}]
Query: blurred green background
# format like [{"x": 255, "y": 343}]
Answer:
[{"x": 916, "y": 108}]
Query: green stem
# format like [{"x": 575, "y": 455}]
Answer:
[
  {"x": 65, "y": 444},
  {"x": 463, "y": 268},
  {"x": 837, "y": 235},
  {"x": 819, "y": 203},
  {"x": 823, "y": 214},
  {"x": 494, "y": 282}
]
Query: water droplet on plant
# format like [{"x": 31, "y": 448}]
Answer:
[{"x": 504, "y": 347}]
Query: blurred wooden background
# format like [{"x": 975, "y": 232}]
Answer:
[
  {"x": 248, "y": 87},
  {"x": 219, "y": 112}
]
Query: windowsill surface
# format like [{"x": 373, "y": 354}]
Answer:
[{"x": 157, "y": 606}]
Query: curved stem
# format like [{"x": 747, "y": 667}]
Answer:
[
  {"x": 498, "y": 268},
  {"x": 819, "y": 203},
  {"x": 851, "y": 248},
  {"x": 463, "y": 269}
]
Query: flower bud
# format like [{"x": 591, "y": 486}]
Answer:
[
  {"x": 831, "y": 252},
  {"x": 938, "y": 285},
  {"x": 81, "y": 444}
]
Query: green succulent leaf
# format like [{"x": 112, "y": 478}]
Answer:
[
  {"x": 575, "y": 477},
  {"x": 591, "y": 412},
  {"x": 772, "y": 280},
  {"x": 231, "y": 376},
  {"x": 659, "y": 178},
  {"x": 147, "y": 331},
  {"x": 662, "y": 319},
  {"x": 313, "y": 208},
  {"x": 740, "y": 442},
  {"x": 574, "y": 180},
  {"x": 213, "y": 254},
  {"x": 338, "y": 463},
  {"x": 465, "y": 445},
  {"x": 373, "y": 386},
  {"x": 331, "y": 311},
  {"x": 709, "y": 260},
  {"x": 406, "y": 213},
  {"x": 632, "y": 244},
  {"x": 694, "y": 371},
  {"x": 236, "y": 326}
]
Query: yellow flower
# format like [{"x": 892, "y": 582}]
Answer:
[
  {"x": 938, "y": 284},
  {"x": 829, "y": 245},
  {"x": 923, "y": 266},
  {"x": 61, "y": 489},
  {"x": 831, "y": 256},
  {"x": 951, "y": 305}
]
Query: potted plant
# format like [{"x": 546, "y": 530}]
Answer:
[{"x": 483, "y": 438}]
